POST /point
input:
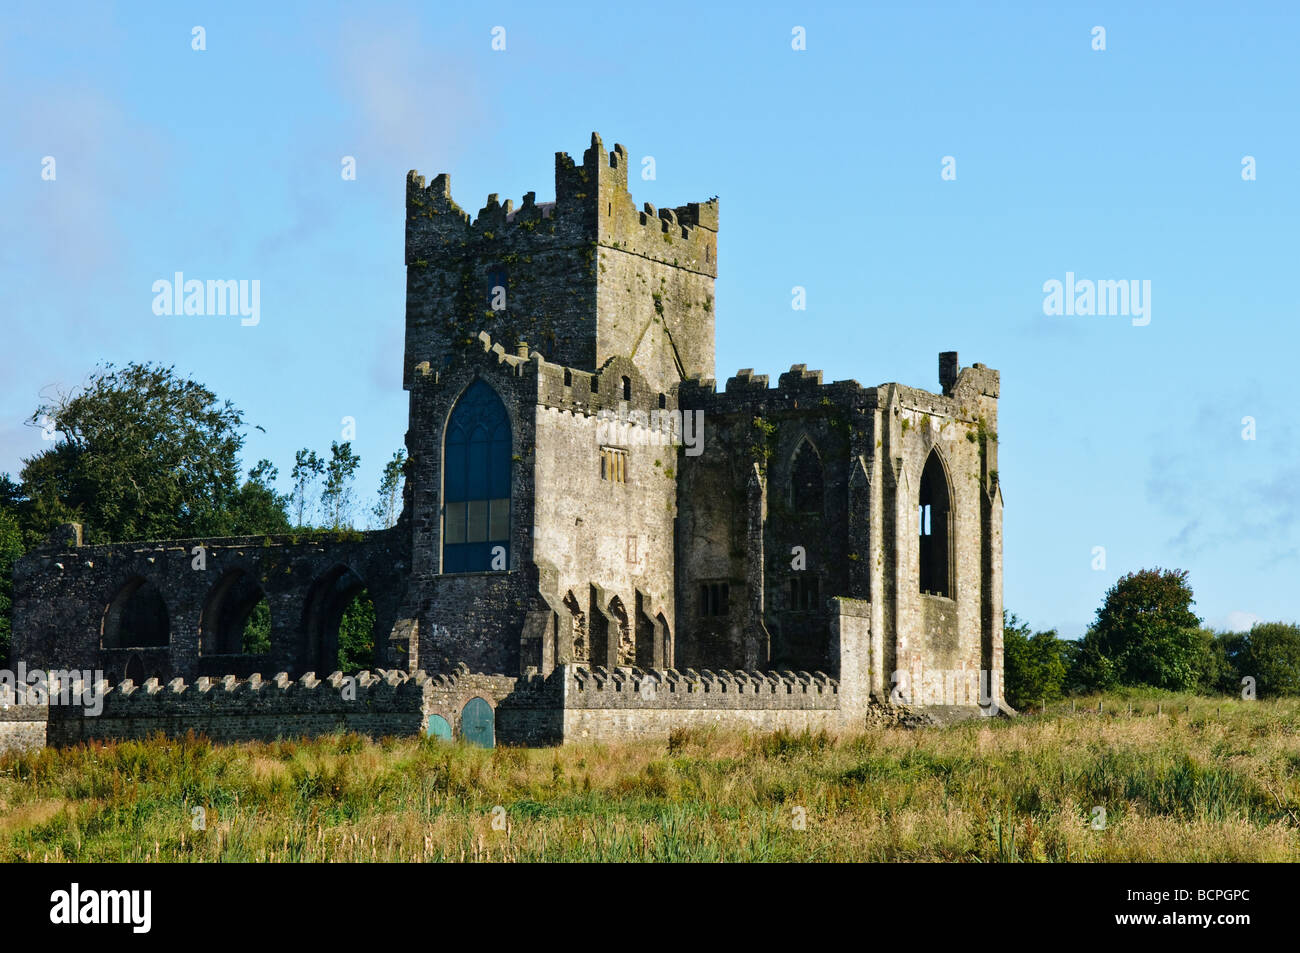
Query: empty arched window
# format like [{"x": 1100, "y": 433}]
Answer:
[
  {"x": 236, "y": 617},
  {"x": 476, "y": 484},
  {"x": 627, "y": 388},
  {"x": 577, "y": 628},
  {"x": 935, "y": 525},
  {"x": 626, "y": 637},
  {"x": 807, "y": 483},
  {"x": 136, "y": 618}
]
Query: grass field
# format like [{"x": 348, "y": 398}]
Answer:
[{"x": 1205, "y": 780}]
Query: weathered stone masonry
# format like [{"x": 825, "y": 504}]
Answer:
[{"x": 823, "y": 548}]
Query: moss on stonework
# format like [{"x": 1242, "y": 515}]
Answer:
[{"x": 764, "y": 444}]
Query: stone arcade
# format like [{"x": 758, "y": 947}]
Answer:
[{"x": 824, "y": 548}]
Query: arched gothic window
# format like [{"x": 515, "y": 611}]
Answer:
[
  {"x": 807, "y": 483},
  {"x": 935, "y": 528},
  {"x": 476, "y": 484}
]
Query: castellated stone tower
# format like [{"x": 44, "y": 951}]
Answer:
[{"x": 582, "y": 279}]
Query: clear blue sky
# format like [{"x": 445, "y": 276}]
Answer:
[{"x": 1116, "y": 164}]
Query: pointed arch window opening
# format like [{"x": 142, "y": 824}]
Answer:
[
  {"x": 476, "y": 483},
  {"x": 935, "y": 529},
  {"x": 807, "y": 481}
]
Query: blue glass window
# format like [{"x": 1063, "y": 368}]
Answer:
[{"x": 476, "y": 484}]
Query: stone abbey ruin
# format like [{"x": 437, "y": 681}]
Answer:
[{"x": 596, "y": 540}]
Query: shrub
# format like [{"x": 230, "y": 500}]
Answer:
[{"x": 1034, "y": 666}]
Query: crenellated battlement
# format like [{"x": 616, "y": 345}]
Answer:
[
  {"x": 600, "y": 687},
  {"x": 802, "y": 389},
  {"x": 232, "y": 708},
  {"x": 600, "y": 678},
  {"x": 797, "y": 389},
  {"x": 231, "y": 693},
  {"x": 592, "y": 205},
  {"x": 437, "y": 226}
]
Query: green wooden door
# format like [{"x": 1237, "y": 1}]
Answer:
[
  {"x": 477, "y": 723},
  {"x": 438, "y": 728}
]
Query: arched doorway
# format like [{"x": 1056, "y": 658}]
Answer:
[
  {"x": 478, "y": 723},
  {"x": 437, "y": 727}
]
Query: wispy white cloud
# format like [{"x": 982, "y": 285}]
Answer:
[{"x": 1224, "y": 490}]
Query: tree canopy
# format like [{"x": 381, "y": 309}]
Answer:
[
  {"x": 142, "y": 453},
  {"x": 1145, "y": 634}
]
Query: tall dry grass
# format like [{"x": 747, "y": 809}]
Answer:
[{"x": 1204, "y": 780}]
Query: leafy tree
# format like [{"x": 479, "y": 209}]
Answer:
[
  {"x": 1270, "y": 653},
  {"x": 11, "y": 547},
  {"x": 256, "y": 508},
  {"x": 1034, "y": 666},
  {"x": 1071, "y": 650},
  {"x": 1145, "y": 634},
  {"x": 357, "y": 635},
  {"x": 11, "y": 494},
  {"x": 1219, "y": 656},
  {"x": 1233, "y": 647},
  {"x": 256, "y": 637},
  {"x": 142, "y": 454},
  {"x": 307, "y": 469},
  {"x": 336, "y": 496},
  {"x": 390, "y": 491}
]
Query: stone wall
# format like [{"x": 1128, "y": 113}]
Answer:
[
  {"x": 63, "y": 594},
  {"x": 574, "y": 703},
  {"x": 233, "y": 709},
  {"x": 604, "y": 705},
  {"x": 23, "y": 727}
]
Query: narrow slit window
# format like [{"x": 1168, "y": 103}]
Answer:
[
  {"x": 715, "y": 599},
  {"x": 613, "y": 464}
]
